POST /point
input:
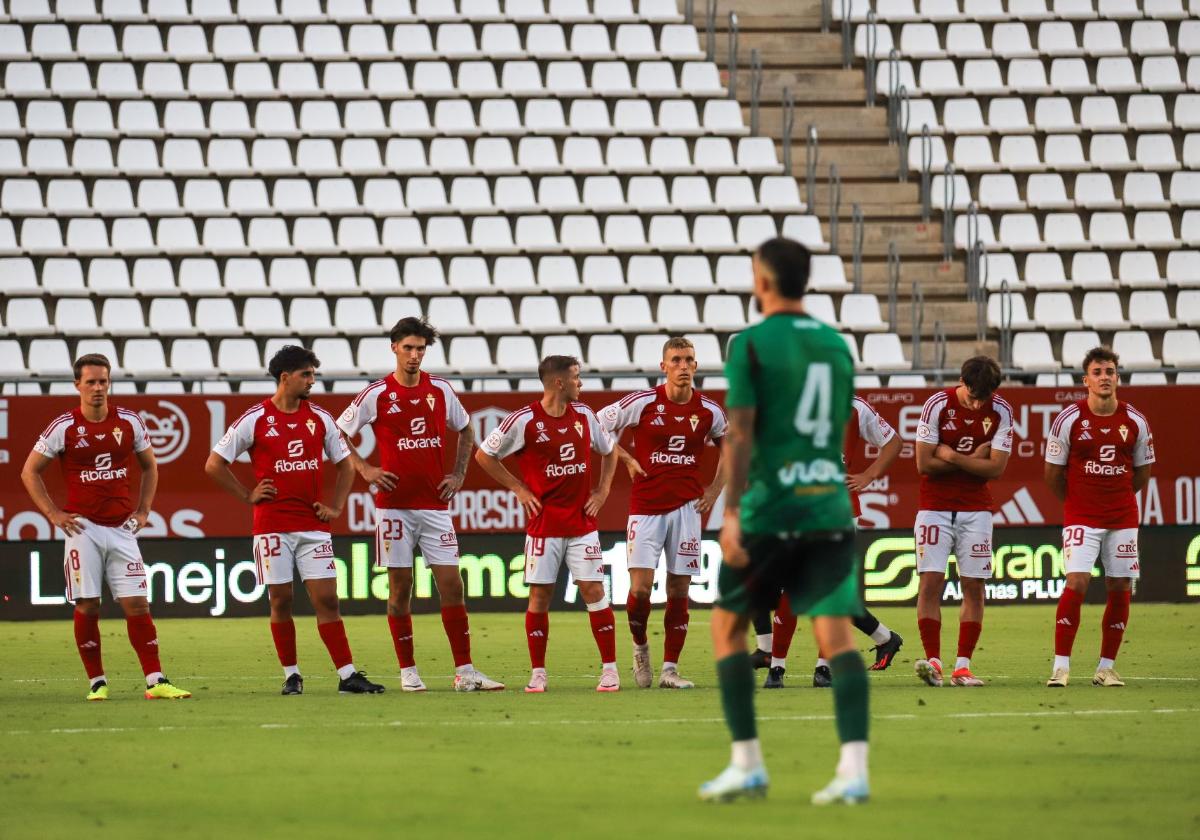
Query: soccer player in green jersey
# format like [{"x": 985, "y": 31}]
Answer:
[{"x": 788, "y": 524}]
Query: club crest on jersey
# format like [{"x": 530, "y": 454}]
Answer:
[
  {"x": 311, "y": 425},
  {"x": 1124, "y": 430},
  {"x": 393, "y": 409},
  {"x": 430, "y": 401},
  {"x": 987, "y": 425},
  {"x": 579, "y": 428},
  {"x": 694, "y": 421},
  {"x": 118, "y": 434}
]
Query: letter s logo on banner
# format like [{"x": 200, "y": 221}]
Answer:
[{"x": 169, "y": 433}]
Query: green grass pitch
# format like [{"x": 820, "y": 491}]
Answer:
[{"x": 238, "y": 760}]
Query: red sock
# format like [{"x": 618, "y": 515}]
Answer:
[
  {"x": 604, "y": 629},
  {"x": 537, "y": 634},
  {"x": 458, "y": 631},
  {"x": 783, "y": 630},
  {"x": 931, "y": 637},
  {"x": 144, "y": 639},
  {"x": 284, "y": 634},
  {"x": 1066, "y": 621},
  {"x": 968, "y": 637},
  {"x": 402, "y": 639},
  {"x": 87, "y": 640},
  {"x": 675, "y": 622},
  {"x": 637, "y": 610},
  {"x": 333, "y": 634},
  {"x": 1116, "y": 616}
]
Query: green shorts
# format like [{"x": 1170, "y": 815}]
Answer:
[{"x": 818, "y": 571}]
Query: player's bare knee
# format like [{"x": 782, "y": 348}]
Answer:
[
  {"x": 678, "y": 586},
  {"x": 539, "y": 598},
  {"x": 1117, "y": 584},
  {"x": 135, "y": 606},
  {"x": 591, "y": 591},
  {"x": 1077, "y": 582},
  {"x": 325, "y": 606},
  {"x": 87, "y": 606}
]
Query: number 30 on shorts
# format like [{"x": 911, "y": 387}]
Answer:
[{"x": 929, "y": 534}]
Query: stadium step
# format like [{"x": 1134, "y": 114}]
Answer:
[
  {"x": 833, "y": 122},
  {"x": 957, "y": 352},
  {"x": 781, "y": 48}
]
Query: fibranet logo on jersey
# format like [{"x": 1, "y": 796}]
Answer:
[
  {"x": 405, "y": 444},
  {"x": 283, "y": 465},
  {"x": 103, "y": 470}
]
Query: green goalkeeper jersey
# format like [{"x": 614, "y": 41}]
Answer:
[{"x": 798, "y": 375}]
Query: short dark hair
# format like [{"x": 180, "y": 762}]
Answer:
[
  {"x": 789, "y": 263},
  {"x": 1100, "y": 354},
  {"x": 414, "y": 326},
  {"x": 555, "y": 365},
  {"x": 91, "y": 360},
  {"x": 291, "y": 358},
  {"x": 981, "y": 375}
]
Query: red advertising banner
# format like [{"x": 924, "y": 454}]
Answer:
[{"x": 183, "y": 428}]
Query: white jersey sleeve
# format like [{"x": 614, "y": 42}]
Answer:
[
  {"x": 240, "y": 436},
  {"x": 509, "y": 436},
  {"x": 871, "y": 426},
  {"x": 1143, "y": 450},
  {"x": 53, "y": 440},
  {"x": 361, "y": 412},
  {"x": 720, "y": 423},
  {"x": 336, "y": 449},
  {"x": 625, "y": 412},
  {"x": 141, "y": 437},
  {"x": 1002, "y": 440},
  {"x": 929, "y": 428},
  {"x": 456, "y": 416},
  {"x": 602, "y": 441},
  {"x": 1058, "y": 444}
]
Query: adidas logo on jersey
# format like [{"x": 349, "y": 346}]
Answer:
[
  {"x": 1085, "y": 435},
  {"x": 272, "y": 432},
  {"x": 81, "y": 444},
  {"x": 543, "y": 437},
  {"x": 657, "y": 421},
  {"x": 393, "y": 409}
]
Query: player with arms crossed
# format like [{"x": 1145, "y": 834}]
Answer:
[
  {"x": 787, "y": 523},
  {"x": 866, "y": 425},
  {"x": 94, "y": 444},
  {"x": 287, "y": 437},
  {"x": 1099, "y": 455},
  {"x": 554, "y": 438},
  {"x": 671, "y": 425},
  {"x": 410, "y": 411},
  {"x": 964, "y": 439}
]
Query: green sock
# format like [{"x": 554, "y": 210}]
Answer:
[
  {"x": 850, "y": 696},
  {"x": 736, "y": 676}
]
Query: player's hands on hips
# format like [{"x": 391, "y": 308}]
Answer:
[
  {"x": 595, "y": 502},
  {"x": 859, "y": 481},
  {"x": 68, "y": 522},
  {"x": 705, "y": 503},
  {"x": 140, "y": 519},
  {"x": 264, "y": 491},
  {"x": 733, "y": 554},
  {"x": 531, "y": 503},
  {"x": 449, "y": 486},
  {"x": 382, "y": 478},
  {"x": 326, "y": 513}
]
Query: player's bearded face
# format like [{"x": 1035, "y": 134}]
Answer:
[
  {"x": 301, "y": 382},
  {"x": 410, "y": 352}
]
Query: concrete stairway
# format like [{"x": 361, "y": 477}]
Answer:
[{"x": 796, "y": 54}]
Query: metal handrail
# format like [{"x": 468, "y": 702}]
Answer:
[
  {"x": 812, "y": 153},
  {"x": 948, "y": 198},
  {"x": 710, "y": 31},
  {"x": 756, "y": 83},
  {"x": 893, "y": 264},
  {"x": 926, "y": 174},
  {"x": 835, "y": 206},
  {"x": 918, "y": 322},
  {"x": 856, "y": 214},
  {"x": 789, "y": 122},
  {"x": 980, "y": 259},
  {"x": 733, "y": 54},
  {"x": 826, "y": 14},
  {"x": 939, "y": 348},
  {"x": 872, "y": 40},
  {"x": 847, "y": 36},
  {"x": 972, "y": 230},
  {"x": 893, "y": 65},
  {"x": 902, "y": 104},
  {"x": 1005, "y": 323}
]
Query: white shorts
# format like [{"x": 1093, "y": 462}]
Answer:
[
  {"x": 103, "y": 553},
  {"x": 1116, "y": 548},
  {"x": 965, "y": 534},
  {"x": 677, "y": 532},
  {"x": 399, "y": 532},
  {"x": 277, "y": 557},
  {"x": 544, "y": 556}
]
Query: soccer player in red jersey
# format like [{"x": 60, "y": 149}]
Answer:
[
  {"x": 1099, "y": 454},
  {"x": 866, "y": 425},
  {"x": 964, "y": 438},
  {"x": 671, "y": 426},
  {"x": 554, "y": 437},
  {"x": 287, "y": 437},
  {"x": 410, "y": 411},
  {"x": 95, "y": 443}
]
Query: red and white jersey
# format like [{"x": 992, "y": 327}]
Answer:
[
  {"x": 945, "y": 420},
  {"x": 1100, "y": 454},
  {"x": 865, "y": 426},
  {"x": 554, "y": 456},
  {"x": 668, "y": 439},
  {"x": 288, "y": 449},
  {"x": 410, "y": 428},
  {"x": 95, "y": 461}
]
